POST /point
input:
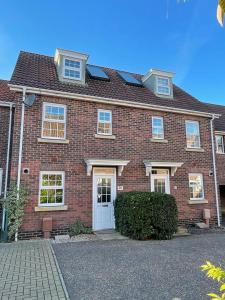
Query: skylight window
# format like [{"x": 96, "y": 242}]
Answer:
[
  {"x": 97, "y": 72},
  {"x": 163, "y": 86},
  {"x": 129, "y": 79},
  {"x": 72, "y": 69}
]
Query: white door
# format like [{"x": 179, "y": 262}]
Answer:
[
  {"x": 160, "y": 182},
  {"x": 104, "y": 194}
]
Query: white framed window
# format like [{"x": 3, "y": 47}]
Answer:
[
  {"x": 72, "y": 69},
  {"x": 163, "y": 85},
  {"x": 157, "y": 128},
  {"x": 193, "y": 134},
  {"x": 219, "y": 144},
  {"x": 51, "y": 192},
  {"x": 54, "y": 121},
  {"x": 104, "y": 122},
  {"x": 196, "y": 186}
]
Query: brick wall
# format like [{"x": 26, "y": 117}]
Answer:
[{"x": 132, "y": 128}]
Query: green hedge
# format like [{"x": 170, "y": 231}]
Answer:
[{"x": 145, "y": 215}]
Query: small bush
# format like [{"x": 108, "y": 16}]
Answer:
[
  {"x": 145, "y": 215},
  {"x": 78, "y": 227}
]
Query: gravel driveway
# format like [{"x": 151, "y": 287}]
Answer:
[{"x": 140, "y": 270}]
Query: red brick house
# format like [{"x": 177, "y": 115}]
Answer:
[{"x": 93, "y": 132}]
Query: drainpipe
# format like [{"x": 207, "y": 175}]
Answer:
[
  {"x": 7, "y": 161},
  {"x": 20, "y": 149},
  {"x": 215, "y": 171}
]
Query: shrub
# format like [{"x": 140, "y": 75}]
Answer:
[
  {"x": 218, "y": 274},
  {"x": 145, "y": 215},
  {"x": 78, "y": 227},
  {"x": 14, "y": 203}
]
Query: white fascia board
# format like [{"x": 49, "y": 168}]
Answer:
[
  {"x": 54, "y": 93},
  {"x": 69, "y": 53},
  {"x": 157, "y": 73}
]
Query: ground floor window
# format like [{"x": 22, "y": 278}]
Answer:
[
  {"x": 196, "y": 186},
  {"x": 51, "y": 188},
  {"x": 160, "y": 181}
]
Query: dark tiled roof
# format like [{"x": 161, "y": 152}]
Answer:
[
  {"x": 39, "y": 71},
  {"x": 5, "y": 93},
  {"x": 219, "y": 109}
]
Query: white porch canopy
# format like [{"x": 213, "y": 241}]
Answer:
[
  {"x": 149, "y": 165},
  {"x": 120, "y": 164}
]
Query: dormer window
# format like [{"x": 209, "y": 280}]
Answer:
[
  {"x": 71, "y": 66},
  {"x": 159, "y": 82},
  {"x": 163, "y": 86},
  {"x": 72, "y": 69}
]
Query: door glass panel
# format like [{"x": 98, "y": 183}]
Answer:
[
  {"x": 103, "y": 190},
  {"x": 160, "y": 185}
]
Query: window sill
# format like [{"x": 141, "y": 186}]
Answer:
[
  {"x": 101, "y": 136},
  {"x": 51, "y": 208},
  {"x": 52, "y": 141},
  {"x": 204, "y": 201},
  {"x": 159, "y": 140},
  {"x": 195, "y": 150},
  {"x": 220, "y": 153}
]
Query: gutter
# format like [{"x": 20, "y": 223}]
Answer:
[
  {"x": 215, "y": 171},
  {"x": 46, "y": 92}
]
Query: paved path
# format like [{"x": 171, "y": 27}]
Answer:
[
  {"x": 28, "y": 271},
  {"x": 135, "y": 270}
]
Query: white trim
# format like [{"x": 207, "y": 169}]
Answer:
[
  {"x": 51, "y": 187},
  {"x": 161, "y": 176},
  {"x": 158, "y": 85},
  {"x": 72, "y": 68},
  {"x": 6, "y": 104},
  {"x": 164, "y": 164},
  {"x": 74, "y": 96},
  {"x": 157, "y": 73},
  {"x": 102, "y": 174},
  {"x": 202, "y": 185},
  {"x": 52, "y": 120},
  {"x": 106, "y": 163},
  {"x": 219, "y": 132},
  {"x": 199, "y": 135},
  {"x": 217, "y": 148},
  {"x": 107, "y": 122},
  {"x": 162, "y": 119},
  {"x": 215, "y": 171},
  {"x": 69, "y": 53}
]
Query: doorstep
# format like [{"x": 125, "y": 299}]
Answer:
[{"x": 109, "y": 235}]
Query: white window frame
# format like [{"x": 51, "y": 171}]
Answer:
[
  {"x": 217, "y": 148},
  {"x": 162, "y": 85},
  {"x": 202, "y": 183},
  {"x": 110, "y": 122},
  {"x": 194, "y": 122},
  {"x": 72, "y": 68},
  {"x": 160, "y": 118},
  {"x": 53, "y": 121},
  {"x": 51, "y": 187}
]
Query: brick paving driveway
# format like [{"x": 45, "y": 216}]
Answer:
[{"x": 28, "y": 271}]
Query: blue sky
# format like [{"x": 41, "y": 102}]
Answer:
[{"x": 128, "y": 35}]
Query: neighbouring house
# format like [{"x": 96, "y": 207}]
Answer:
[{"x": 91, "y": 132}]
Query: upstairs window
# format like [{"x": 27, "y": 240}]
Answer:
[
  {"x": 72, "y": 69},
  {"x": 219, "y": 144},
  {"x": 163, "y": 86},
  {"x": 104, "y": 122},
  {"x": 193, "y": 134},
  {"x": 51, "y": 188},
  {"x": 196, "y": 187},
  {"x": 54, "y": 121},
  {"x": 157, "y": 128}
]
